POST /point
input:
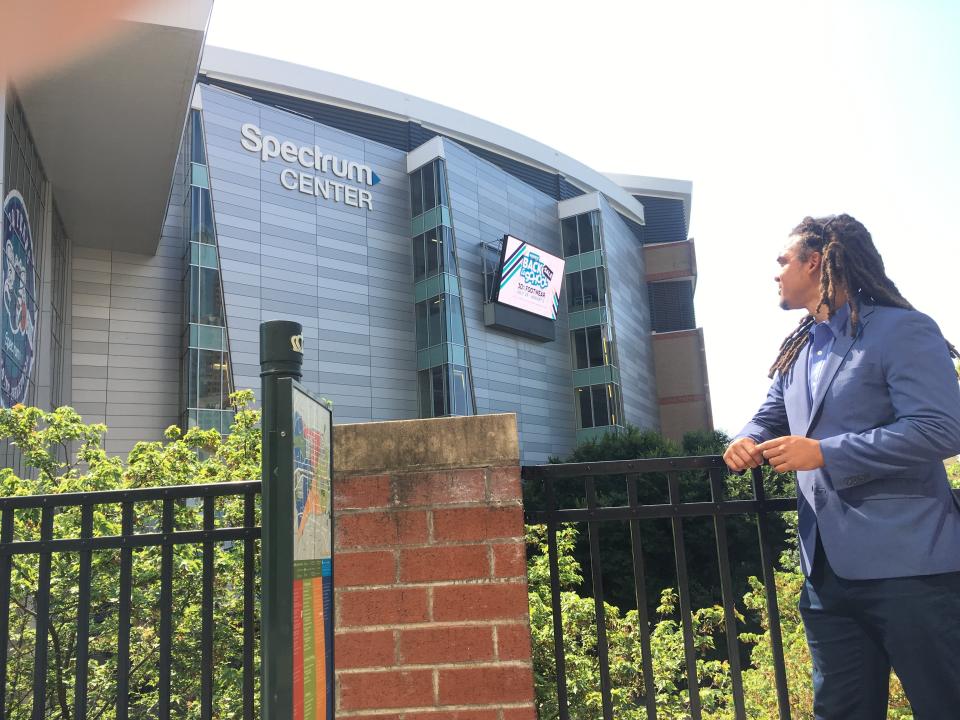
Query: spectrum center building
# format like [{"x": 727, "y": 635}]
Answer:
[{"x": 440, "y": 265}]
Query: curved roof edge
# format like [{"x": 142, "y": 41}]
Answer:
[{"x": 322, "y": 86}]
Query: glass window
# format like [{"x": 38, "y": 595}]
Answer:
[
  {"x": 568, "y": 229},
  {"x": 201, "y": 216},
  {"x": 435, "y": 321},
  {"x": 197, "y": 152},
  {"x": 432, "y": 250},
  {"x": 225, "y": 389},
  {"x": 584, "y": 407},
  {"x": 445, "y": 250},
  {"x": 187, "y": 377},
  {"x": 416, "y": 194},
  {"x": 602, "y": 286},
  {"x": 423, "y": 337},
  {"x": 439, "y": 399},
  {"x": 419, "y": 259},
  {"x": 574, "y": 292},
  {"x": 591, "y": 348},
  {"x": 591, "y": 291},
  {"x": 199, "y": 175},
  {"x": 595, "y": 222},
  {"x": 595, "y": 346},
  {"x": 585, "y": 226},
  {"x": 580, "y": 356},
  {"x": 601, "y": 413},
  {"x": 193, "y": 292},
  {"x": 441, "y": 183},
  {"x": 209, "y": 379},
  {"x": 458, "y": 390},
  {"x": 210, "y": 300},
  {"x": 193, "y": 375},
  {"x": 455, "y": 320},
  {"x": 615, "y": 405},
  {"x": 429, "y": 188},
  {"x": 423, "y": 389}
]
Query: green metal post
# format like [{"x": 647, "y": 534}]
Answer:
[{"x": 281, "y": 356}]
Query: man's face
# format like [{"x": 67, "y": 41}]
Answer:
[{"x": 799, "y": 277}]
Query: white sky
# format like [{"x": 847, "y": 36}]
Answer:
[{"x": 773, "y": 110}]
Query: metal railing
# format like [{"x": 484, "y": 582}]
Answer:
[
  {"x": 160, "y": 532},
  {"x": 676, "y": 511}
]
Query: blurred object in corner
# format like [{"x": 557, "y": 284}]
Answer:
[{"x": 37, "y": 36}]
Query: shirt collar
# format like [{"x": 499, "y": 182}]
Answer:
[{"x": 838, "y": 323}]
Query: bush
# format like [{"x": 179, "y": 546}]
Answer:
[
  {"x": 666, "y": 648},
  {"x": 65, "y": 455}
]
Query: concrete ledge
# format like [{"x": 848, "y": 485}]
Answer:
[{"x": 405, "y": 445}]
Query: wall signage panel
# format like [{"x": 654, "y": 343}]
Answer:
[
  {"x": 312, "y": 169},
  {"x": 530, "y": 278},
  {"x": 18, "y": 320}
]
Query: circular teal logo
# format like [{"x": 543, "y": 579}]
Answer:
[{"x": 18, "y": 320}]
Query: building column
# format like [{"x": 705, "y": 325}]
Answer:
[{"x": 42, "y": 365}]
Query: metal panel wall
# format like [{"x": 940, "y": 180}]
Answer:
[
  {"x": 638, "y": 230},
  {"x": 345, "y": 273},
  {"x": 510, "y": 373},
  {"x": 127, "y": 314},
  {"x": 395, "y": 133},
  {"x": 398, "y": 134},
  {"x": 665, "y": 221},
  {"x": 631, "y": 319}
]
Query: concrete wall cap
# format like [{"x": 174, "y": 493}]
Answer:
[{"x": 413, "y": 445}]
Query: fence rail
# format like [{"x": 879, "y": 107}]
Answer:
[
  {"x": 165, "y": 536},
  {"x": 719, "y": 508},
  {"x": 675, "y": 510}
]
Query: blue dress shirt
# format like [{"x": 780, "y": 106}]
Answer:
[{"x": 822, "y": 336}]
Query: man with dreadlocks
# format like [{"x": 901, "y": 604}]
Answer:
[{"x": 864, "y": 406}]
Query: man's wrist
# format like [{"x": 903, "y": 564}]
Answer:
[{"x": 821, "y": 461}]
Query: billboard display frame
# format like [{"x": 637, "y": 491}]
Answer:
[{"x": 498, "y": 297}]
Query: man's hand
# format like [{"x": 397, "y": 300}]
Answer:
[
  {"x": 792, "y": 452},
  {"x": 742, "y": 454}
]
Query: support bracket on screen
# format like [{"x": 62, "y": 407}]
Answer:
[{"x": 509, "y": 319}]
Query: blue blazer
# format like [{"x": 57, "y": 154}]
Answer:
[{"x": 886, "y": 413}]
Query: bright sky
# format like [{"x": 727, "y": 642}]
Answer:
[{"x": 773, "y": 110}]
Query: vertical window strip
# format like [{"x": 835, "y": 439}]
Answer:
[
  {"x": 592, "y": 346},
  {"x": 445, "y": 388},
  {"x": 207, "y": 381}
]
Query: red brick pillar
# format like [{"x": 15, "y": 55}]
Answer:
[{"x": 431, "y": 588}]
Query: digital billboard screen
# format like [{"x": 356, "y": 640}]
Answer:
[{"x": 530, "y": 278}]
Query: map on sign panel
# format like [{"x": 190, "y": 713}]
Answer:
[{"x": 311, "y": 480}]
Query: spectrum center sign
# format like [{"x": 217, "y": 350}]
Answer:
[{"x": 318, "y": 167}]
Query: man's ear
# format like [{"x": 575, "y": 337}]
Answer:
[{"x": 815, "y": 261}]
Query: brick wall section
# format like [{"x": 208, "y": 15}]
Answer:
[{"x": 431, "y": 588}]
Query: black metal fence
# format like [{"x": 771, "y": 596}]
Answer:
[
  {"x": 157, "y": 520},
  {"x": 544, "y": 478}
]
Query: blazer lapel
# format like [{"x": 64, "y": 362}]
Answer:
[{"x": 841, "y": 347}]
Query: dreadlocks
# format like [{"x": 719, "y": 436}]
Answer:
[{"x": 851, "y": 264}]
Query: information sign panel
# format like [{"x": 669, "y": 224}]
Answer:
[{"x": 312, "y": 525}]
